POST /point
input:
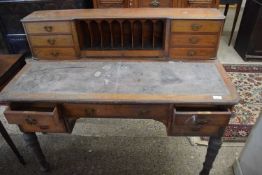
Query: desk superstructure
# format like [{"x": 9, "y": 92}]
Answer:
[{"x": 147, "y": 33}]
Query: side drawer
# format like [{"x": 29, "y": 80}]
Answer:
[
  {"x": 47, "y": 27},
  {"x": 205, "y": 122},
  {"x": 154, "y": 111},
  {"x": 195, "y": 26},
  {"x": 155, "y": 3},
  {"x": 187, "y": 40},
  {"x": 35, "y": 119},
  {"x": 192, "y": 53},
  {"x": 216, "y": 118},
  {"x": 54, "y": 53},
  {"x": 51, "y": 40}
]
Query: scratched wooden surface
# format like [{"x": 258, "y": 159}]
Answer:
[
  {"x": 69, "y": 81},
  {"x": 121, "y": 13}
]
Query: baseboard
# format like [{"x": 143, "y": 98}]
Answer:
[{"x": 237, "y": 168}]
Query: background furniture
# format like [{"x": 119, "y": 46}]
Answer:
[
  {"x": 249, "y": 39},
  {"x": 251, "y": 156},
  {"x": 227, "y": 3},
  {"x": 161, "y": 33},
  {"x": 9, "y": 66},
  {"x": 155, "y": 3},
  {"x": 12, "y": 11}
]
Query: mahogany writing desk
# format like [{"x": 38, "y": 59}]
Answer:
[{"x": 189, "y": 98}]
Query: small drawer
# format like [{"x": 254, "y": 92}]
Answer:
[
  {"x": 35, "y": 118},
  {"x": 54, "y": 53},
  {"x": 196, "y": 118},
  {"x": 192, "y": 53},
  {"x": 48, "y": 27},
  {"x": 195, "y": 131},
  {"x": 159, "y": 112},
  {"x": 195, "y": 26},
  {"x": 179, "y": 40},
  {"x": 155, "y": 3},
  {"x": 51, "y": 40}
]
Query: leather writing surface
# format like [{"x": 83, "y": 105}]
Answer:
[{"x": 140, "y": 78}]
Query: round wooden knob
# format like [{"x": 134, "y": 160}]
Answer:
[{"x": 55, "y": 54}]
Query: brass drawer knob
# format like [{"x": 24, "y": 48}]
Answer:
[
  {"x": 155, "y": 3},
  {"x": 193, "y": 40},
  {"x": 199, "y": 121},
  {"x": 196, "y": 27},
  {"x": 55, "y": 54},
  {"x": 90, "y": 112},
  {"x": 48, "y": 28},
  {"x": 51, "y": 41},
  {"x": 191, "y": 53},
  {"x": 31, "y": 121}
]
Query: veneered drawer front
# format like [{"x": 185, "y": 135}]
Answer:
[
  {"x": 55, "y": 53},
  {"x": 195, "y": 130},
  {"x": 36, "y": 121},
  {"x": 51, "y": 40},
  {"x": 117, "y": 111},
  {"x": 195, "y": 26},
  {"x": 30, "y": 117},
  {"x": 192, "y": 53},
  {"x": 180, "y": 40},
  {"x": 216, "y": 118},
  {"x": 48, "y": 27},
  {"x": 155, "y": 3}
]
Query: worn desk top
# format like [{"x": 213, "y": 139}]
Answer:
[{"x": 130, "y": 82}]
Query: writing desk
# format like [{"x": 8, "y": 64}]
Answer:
[{"x": 189, "y": 98}]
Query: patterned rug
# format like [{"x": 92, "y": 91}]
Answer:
[{"x": 248, "y": 81}]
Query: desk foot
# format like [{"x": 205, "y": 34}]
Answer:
[
  {"x": 214, "y": 145},
  {"x": 32, "y": 142}
]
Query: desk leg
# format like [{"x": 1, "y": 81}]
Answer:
[
  {"x": 11, "y": 143},
  {"x": 33, "y": 144},
  {"x": 214, "y": 145}
]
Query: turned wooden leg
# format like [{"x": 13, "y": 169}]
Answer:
[
  {"x": 11, "y": 143},
  {"x": 214, "y": 145},
  {"x": 32, "y": 142}
]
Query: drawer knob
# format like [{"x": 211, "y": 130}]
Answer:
[
  {"x": 48, "y": 28},
  {"x": 196, "y": 27},
  {"x": 44, "y": 127},
  {"x": 196, "y": 128},
  {"x": 199, "y": 121},
  {"x": 31, "y": 121},
  {"x": 191, "y": 53},
  {"x": 155, "y": 3},
  {"x": 51, "y": 41},
  {"x": 143, "y": 112},
  {"x": 55, "y": 54},
  {"x": 90, "y": 112},
  {"x": 193, "y": 40}
]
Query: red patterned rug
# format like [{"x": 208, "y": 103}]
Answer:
[{"x": 248, "y": 81}]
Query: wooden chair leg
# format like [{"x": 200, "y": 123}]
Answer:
[
  {"x": 11, "y": 144},
  {"x": 235, "y": 22}
]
